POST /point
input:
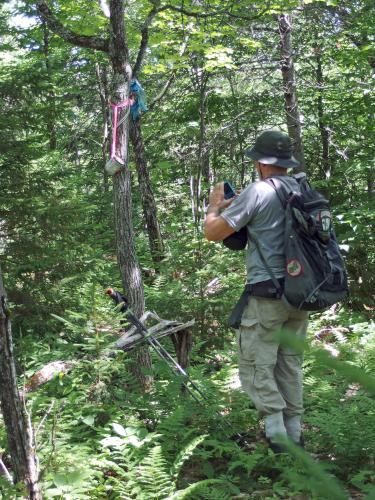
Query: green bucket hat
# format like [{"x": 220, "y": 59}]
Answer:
[{"x": 273, "y": 148}]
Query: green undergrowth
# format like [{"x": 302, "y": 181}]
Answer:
[{"x": 99, "y": 437}]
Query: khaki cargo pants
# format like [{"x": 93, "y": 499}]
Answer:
[{"x": 271, "y": 374}]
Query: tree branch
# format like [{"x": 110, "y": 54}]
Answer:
[
  {"x": 217, "y": 12},
  {"x": 105, "y": 8},
  {"x": 259, "y": 14},
  {"x": 191, "y": 13},
  {"x": 170, "y": 80},
  {"x": 88, "y": 42},
  {"x": 163, "y": 91},
  {"x": 144, "y": 40}
]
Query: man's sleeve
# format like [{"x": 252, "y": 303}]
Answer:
[{"x": 243, "y": 209}]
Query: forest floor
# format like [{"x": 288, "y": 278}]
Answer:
[{"x": 99, "y": 437}]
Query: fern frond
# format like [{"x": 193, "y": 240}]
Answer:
[
  {"x": 120, "y": 488},
  {"x": 153, "y": 476},
  {"x": 213, "y": 493},
  {"x": 245, "y": 461},
  {"x": 175, "y": 425},
  {"x": 185, "y": 454},
  {"x": 159, "y": 282},
  {"x": 196, "y": 490}
]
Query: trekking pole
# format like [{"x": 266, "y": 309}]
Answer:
[{"x": 176, "y": 368}]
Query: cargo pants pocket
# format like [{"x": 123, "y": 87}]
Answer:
[{"x": 258, "y": 344}]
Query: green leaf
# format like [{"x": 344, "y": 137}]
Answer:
[
  {"x": 112, "y": 441},
  {"x": 75, "y": 477},
  {"x": 119, "y": 429},
  {"x": 89, "y": 420}
]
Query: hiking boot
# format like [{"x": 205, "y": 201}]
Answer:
[
  {"x": 293, "y": 427},
  {"x": 276, "y": 448},
  {"x": 301, "y": 442},
  {"x": 274, "y": 424}
]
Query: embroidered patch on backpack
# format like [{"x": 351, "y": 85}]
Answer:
[
  {"x": 294, "y": 268},
  {"x": 324, "y": 216}
]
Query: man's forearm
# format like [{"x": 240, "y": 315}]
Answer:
[
  {"x": 215, "y": 227},
  {"x": 213, "y": 211}
]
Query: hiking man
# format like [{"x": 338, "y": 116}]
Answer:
[{"x": 270, "y": 373}]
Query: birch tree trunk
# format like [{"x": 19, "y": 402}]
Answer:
[
  {"x": 147, "y": 195},
  {"x": 290, "y": 92},
  {"x": 19, "y": 431}
]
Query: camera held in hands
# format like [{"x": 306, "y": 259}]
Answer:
[{"x": 229, "y": 191}]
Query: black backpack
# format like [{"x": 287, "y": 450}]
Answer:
[{"x": 315, "y": 274}]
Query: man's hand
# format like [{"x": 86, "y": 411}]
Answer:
[
  {"x": 216, "y": 198},
  {"x": 215, "y": 227}
]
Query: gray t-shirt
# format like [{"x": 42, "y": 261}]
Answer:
[{"x": 259, "y": 209}]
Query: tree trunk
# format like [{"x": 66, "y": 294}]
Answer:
[
  {"x": 204, "y": 173},
  {"x": 240, "y": 142},
  {"x": 101, "y": 74},
  {"x": 182, "y": 342},
  {"x": 324, "y": 131},
  {"x": 204, "y": 157},
  {"x": 147, "y": 195},
  {"x": 201, "y": 171},
  {"x": 127, "y": 260},
  {"x": 290, "y": 92},
  {"x": 18, "y": 425},
  {"x": 129, "y": 268},
  {"x": 370, "y": 182},
  {"x": 117, "y": 48}
]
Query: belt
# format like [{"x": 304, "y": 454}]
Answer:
[{"x": 265, "y": 289}]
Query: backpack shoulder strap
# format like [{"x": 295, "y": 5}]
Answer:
[
  {"x": 279, "y": 188},
  {"x": 275, "y": 281}
]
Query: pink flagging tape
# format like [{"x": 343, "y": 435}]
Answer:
[{"x": 116, "y": 109}]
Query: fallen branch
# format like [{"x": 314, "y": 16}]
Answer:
[
  {"x": 47, "y": 373},
  {"x": 163, "y": 327}
]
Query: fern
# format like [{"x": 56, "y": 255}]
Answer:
[
  {"x": 323, "y": 484},
  {"x": 203, "y": 490},
  {"x": 122, "y": 476},
  {"x": 185, "y": 454},
  {"x": 146, "y": 470},
  {"x": 159, "y": 282},
  {"x": 245, "y": 461},
  {"x": 154, "y": 478},
  {"x": 215, "y": 493},
  {"x": 175, "y": 424}
]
